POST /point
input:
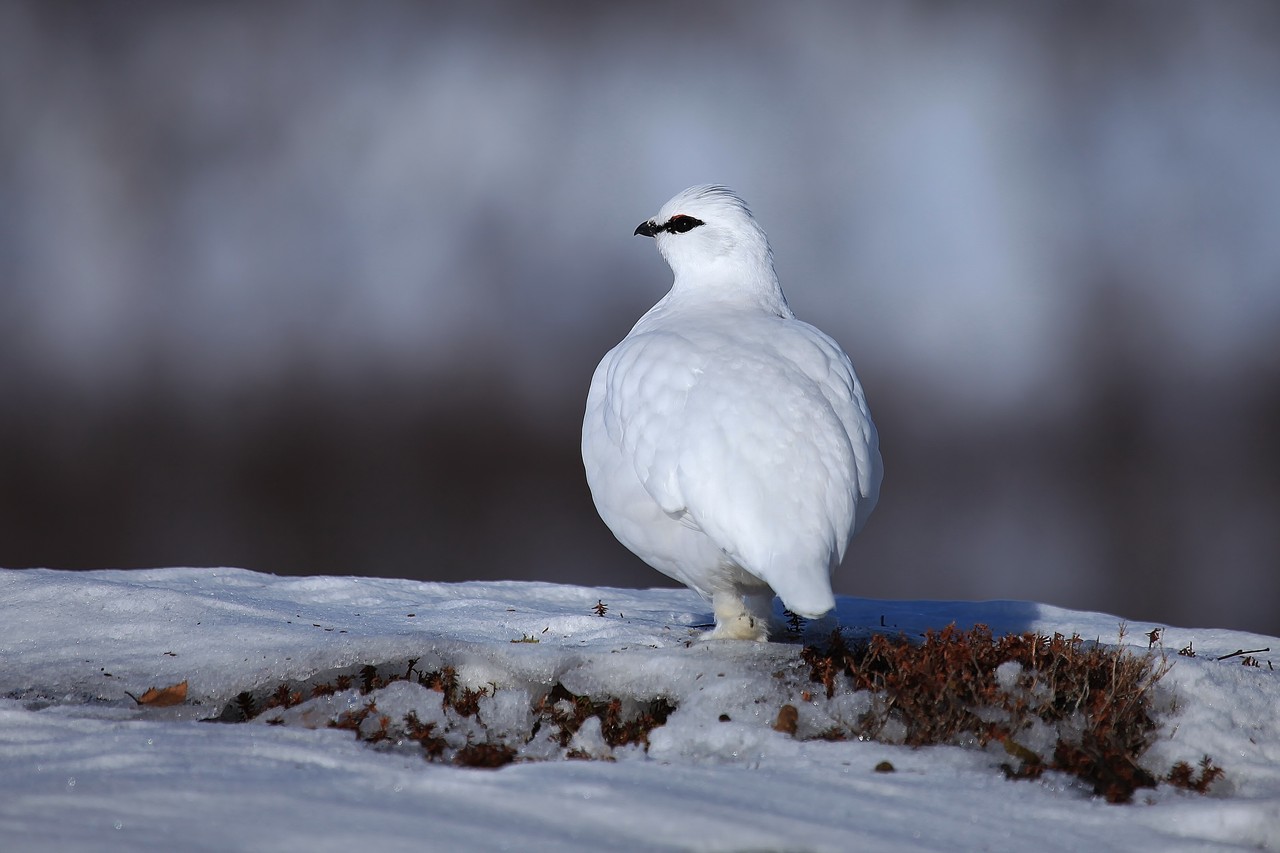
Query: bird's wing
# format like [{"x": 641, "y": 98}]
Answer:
[
  {"x": 769, "y": 468},
  {"x": 642, "y": 387},
  {"x": 757, "y": 434}
]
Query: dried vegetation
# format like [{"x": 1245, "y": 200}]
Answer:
[
  {"x": 1052, "y": 703},
  {"x": 1048, "y": 704},
  {"x": 562, "y": 710}
]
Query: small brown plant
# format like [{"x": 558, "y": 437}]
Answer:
[
  {"x": 369, "y": 680},
  {"x": 283, "y": 697},
  {"x": 467, "y": 701},
  {"x": 944, "y": 689},
  {"x": 445, "y": 681},
  {"x": 433, "y": 745},
  {"x": 245, "y": 705},
  {"x": 1182, "y": 776},
  {"x": 354, "y": 719},
  {"x": 617, "y": 729}
]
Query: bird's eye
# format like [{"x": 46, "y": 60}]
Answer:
[{"x": 682, "y": 223}]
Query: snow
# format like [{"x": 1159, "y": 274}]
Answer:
[{"x": 85, "y": 767}]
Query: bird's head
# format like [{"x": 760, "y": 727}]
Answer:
[{"x": 707, "y": 234}]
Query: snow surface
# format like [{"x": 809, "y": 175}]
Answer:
[{"x": 84, "y": 767}]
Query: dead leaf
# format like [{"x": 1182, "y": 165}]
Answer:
[
  {"x": 788, "y": 717},
  {"x": 163, "y": 697}
]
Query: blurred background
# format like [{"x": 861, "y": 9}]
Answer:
[{"x": 319, "y": 287}]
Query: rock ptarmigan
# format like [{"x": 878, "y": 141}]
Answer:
[{"x": 726, "y": 443}]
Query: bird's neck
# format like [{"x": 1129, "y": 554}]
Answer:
[{"x": 732, "y": 283}]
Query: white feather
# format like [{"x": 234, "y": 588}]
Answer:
[{"x": 726, "y": 443}]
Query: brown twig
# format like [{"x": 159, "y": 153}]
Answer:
[{"x": 1239, "y": 652}]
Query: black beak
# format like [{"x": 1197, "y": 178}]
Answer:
[{"x": 646, "y": 229}]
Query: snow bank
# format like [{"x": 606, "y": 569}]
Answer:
[{"x": 83, "y": 766}]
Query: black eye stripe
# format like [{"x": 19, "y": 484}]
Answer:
[{"x": 681, "y": 223}]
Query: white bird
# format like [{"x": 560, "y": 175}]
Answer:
[{"x": 726, "y": 443}]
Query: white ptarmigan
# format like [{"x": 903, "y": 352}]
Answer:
[{"x": 726, "y": 443}]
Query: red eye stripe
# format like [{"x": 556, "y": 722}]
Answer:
[{"x": 681, "y": 223}]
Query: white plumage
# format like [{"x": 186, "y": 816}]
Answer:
[{"x": 727, "y": 443}]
